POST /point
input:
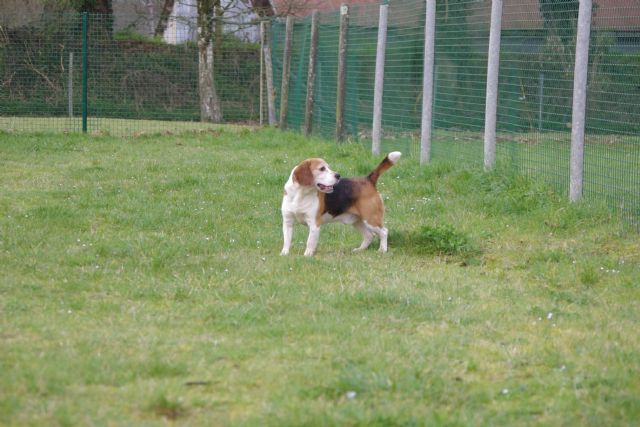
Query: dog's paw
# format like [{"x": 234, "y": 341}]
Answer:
[
  {"x": 284, "y": 252},
  {"x": 308, "y": 252}
]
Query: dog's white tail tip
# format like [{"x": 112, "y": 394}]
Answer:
[{"x": 394, "y": 156}]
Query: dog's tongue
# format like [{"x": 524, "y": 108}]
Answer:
[{"x": 325, "y": 188}]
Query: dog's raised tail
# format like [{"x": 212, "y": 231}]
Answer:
[{"x": 391, "y": 159}]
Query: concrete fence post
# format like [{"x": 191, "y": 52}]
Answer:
[
  {"x": 85, "y": 71},
  {"x": 579, "y": 100},
  {"x": 266, "y": 47},
  {"x": 491, "y": 103},
  {"x": 70, "y": 85},
  {"x": 342, "y": 71},
  {"x": 262, "y": 105},
  {"x": 427, "y": 82},
  {"x": 311, "y": 75},
  {"x": 286, "y": 69},
  {"x": 379, "y": 80}
]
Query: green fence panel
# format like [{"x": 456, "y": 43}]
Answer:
[
  {"x": 130, "y": 83},
  {"x": 535, "y": 87},
  {"x": 136, "y": 84}
]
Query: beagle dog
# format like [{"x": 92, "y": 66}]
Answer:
[{"x": 315, "y": 195}]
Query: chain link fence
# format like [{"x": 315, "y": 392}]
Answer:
[
  {"x": 535, "y": 90},
  {"x": 57, "y": 69}
]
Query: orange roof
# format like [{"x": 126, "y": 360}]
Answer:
[{"x": 517, "y": 14}]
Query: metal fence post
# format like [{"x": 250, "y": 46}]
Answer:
[
  {"x": 70, "y": 85},
  {"x": 342, "y": 71},
  {"x": 286, "y": 69},
  {"x": 579, "y": 100},
  {"x": 85, "y": 64},
  {"x": 427, "y": 82},
  {"x": 491, "y": 104},
  {"x": 379, "y": 80}
]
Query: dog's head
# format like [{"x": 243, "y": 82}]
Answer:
[{"x": 315, "y": 173}]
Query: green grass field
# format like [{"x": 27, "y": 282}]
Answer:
[
  {"x": 140, "y": 284},
  {"x": 97, "y": 126}
]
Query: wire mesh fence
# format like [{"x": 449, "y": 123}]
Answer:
[
  {"x": 538, "y": 43},
  {"x": 137, "y": 83},
  {"x": 133, "y": 83}
]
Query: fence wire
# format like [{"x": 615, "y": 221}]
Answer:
[
  {"x": 538, "y": 41},
  {"x": 134, "y": 83},
  {"x": 612, "y": 150}
]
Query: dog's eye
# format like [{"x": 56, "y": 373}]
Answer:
[{"x": 322, "y": 169}]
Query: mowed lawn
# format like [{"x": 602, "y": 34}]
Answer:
[{"x": 141, "y": 284}]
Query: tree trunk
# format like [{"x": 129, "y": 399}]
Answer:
[
  {"x": 96, "y": 6},
  {"x": 165, "y": 13},
  {"x": 102, "y": 24},
  {"x": 210, "y": 110},
  {"x": 262, "y": 8}
]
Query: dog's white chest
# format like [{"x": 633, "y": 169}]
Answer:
[{"x": 303, "y": 208}]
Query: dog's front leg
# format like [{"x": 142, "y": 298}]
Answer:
[
  {"x": 312, "y": 240},
  {"x": 287, "y": 232}
]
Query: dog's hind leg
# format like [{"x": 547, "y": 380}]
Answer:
[
  {"x": 367, "y": 235},
  {"x": 382, "y": 233}
]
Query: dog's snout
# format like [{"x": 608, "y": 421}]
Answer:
[{"x": 337, "y": 176}]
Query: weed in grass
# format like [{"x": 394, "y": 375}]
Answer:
[
  {"x": 167, "y": 408},
  {"x": 571, "y": 296},
  {"x": 461, "y": 183},
  {"x": 442, "y": 239},
  {"x": 574, "y": 216},
  {"x": 548, "y": 256},
  {"x": 588, "y": 275},
  {"x": 504, "y": 191}
]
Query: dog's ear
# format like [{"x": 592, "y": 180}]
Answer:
[{"x": 303, "y": 175}]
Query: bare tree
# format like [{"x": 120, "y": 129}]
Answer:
[
  {"x": 210, "y": 109},
  {"x": 212, "y": 16},
  {"x": 94, "y": 6},
  {"x": 165, "y": 13},
  {"x": 262, "y": 7}
]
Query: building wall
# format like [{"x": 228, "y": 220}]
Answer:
[{"x": 239, "y": 21}]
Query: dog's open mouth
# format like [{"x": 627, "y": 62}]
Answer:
[{"x": 325, "y": 188}]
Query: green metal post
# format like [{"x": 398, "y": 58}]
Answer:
[{"x": 85, "y": 62}]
